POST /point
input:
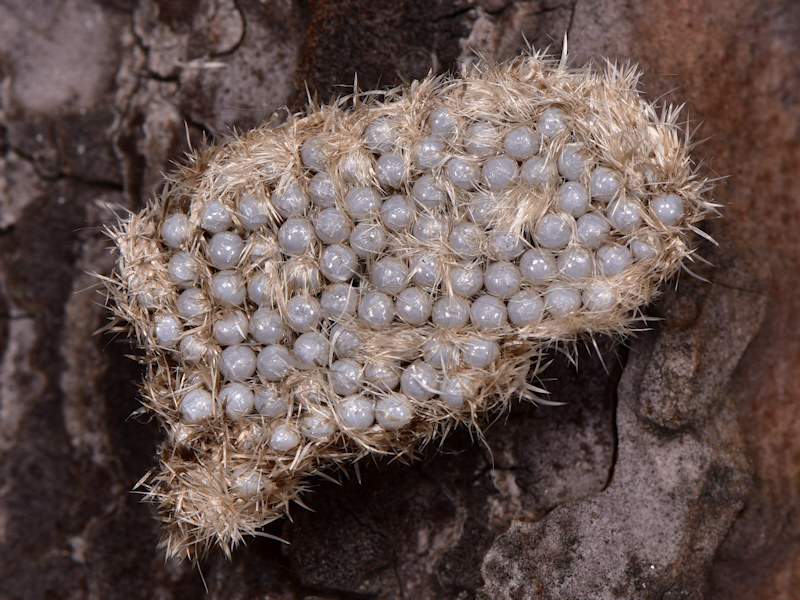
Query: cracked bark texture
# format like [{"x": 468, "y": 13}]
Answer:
[{"x": 673, "y": 470}]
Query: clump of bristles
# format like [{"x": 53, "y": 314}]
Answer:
[{"x": 365, "y": 276}]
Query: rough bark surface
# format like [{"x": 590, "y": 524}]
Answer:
[{"x": 673, "y": 470}]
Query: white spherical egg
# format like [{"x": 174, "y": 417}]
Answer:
[
  {"x": 238, "y": 362},
  {"x": 284, "y": 438},
  {"x": 237, "y": 400},
  {"x": 196, "y": 406},
  {"x": 356, "y": 412},
  {"x": 393, "y": 412},
  {"x": 419, "y": 381}
]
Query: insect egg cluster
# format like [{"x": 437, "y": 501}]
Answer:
[{"x": 364, "y": 276}]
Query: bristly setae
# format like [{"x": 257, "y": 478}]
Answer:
[{"x": 365, "y": 276}]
